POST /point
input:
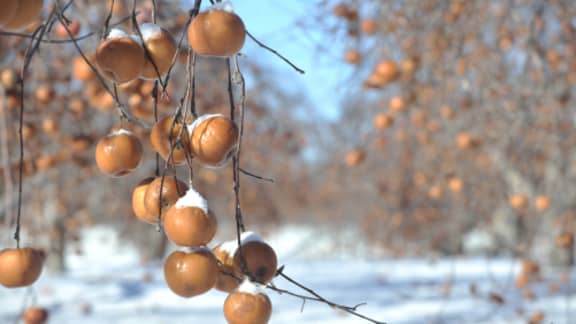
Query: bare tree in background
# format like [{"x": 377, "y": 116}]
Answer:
[{"x": 458, "y": 117}]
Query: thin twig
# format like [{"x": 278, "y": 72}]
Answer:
[
  {"x": 315, "y": 296},
  {"x": 235, "y": 172},
  {"x": 349, "y": 309},
  {"x": 32, "y": 49},
  {"x": 63, "y": 41},
  {"x": 122, "y": 110},
  {"x": 176, "y": 142},
  {"x": 189, "y": 102},
  {"x": 250, "y": 174},
  {"x": 273, "y": 51},
  {"x": 236, "y": 157},
  {"x": 5, "y": 160},
  {"x": 237, "y": 79},
  {"x": 154, "y": 9},
  {"x": 107, "y": 21},
  {"x": 146, "y": 49},
  {"x": 192, "y": 13},
  {"x": 192, "y": 69},
  {"x": 155, "y": 98}
]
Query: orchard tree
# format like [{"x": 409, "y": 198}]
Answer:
[{"x": 461, "y": 120}]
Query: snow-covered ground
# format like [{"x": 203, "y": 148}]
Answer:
[{"x": 108, "y": 285}]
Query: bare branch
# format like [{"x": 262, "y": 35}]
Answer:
[{"x": 273, "y": 51}]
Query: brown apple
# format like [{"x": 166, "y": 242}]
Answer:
[{"x": 191, "y": 274}]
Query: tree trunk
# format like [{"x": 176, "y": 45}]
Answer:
[
  {"x": 56, "y": 259},
  {"x": 154, "y": 248}
]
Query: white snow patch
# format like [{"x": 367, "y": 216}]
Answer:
[
  {"x": 192, "y": 198},
  {"x": 117, "y": 33},
  {"x": 479, "y": 240},
  {"x": 310, "y": 242},
  {"x": 150, "y": 30},
  {"x": 250, "y": 237},
  {"x": 251, "y": 288},
  {"x": 225, "y": 5},
  {"x": 121, "y": 131},
  {"x": 231, "y": 246},
  {"x": 200, "y": 120},
  {"x": 101, "y": 245},
  {"x": 136, "y": 38}
]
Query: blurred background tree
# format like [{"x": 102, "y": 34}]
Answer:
[{"x": 458, "y": 121}]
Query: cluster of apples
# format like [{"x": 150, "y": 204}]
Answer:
[
  {"x": 211, "y": 140},
  {"x": 188, "y": 222},
  {"x": 19, "y": 14},
  {"x": 122, "y": 58},
  {"x": 246, "y": 303},
  {"x": 196, "y": 271}
]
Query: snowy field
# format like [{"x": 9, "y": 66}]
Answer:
[{"x": 108, "y": 285}]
